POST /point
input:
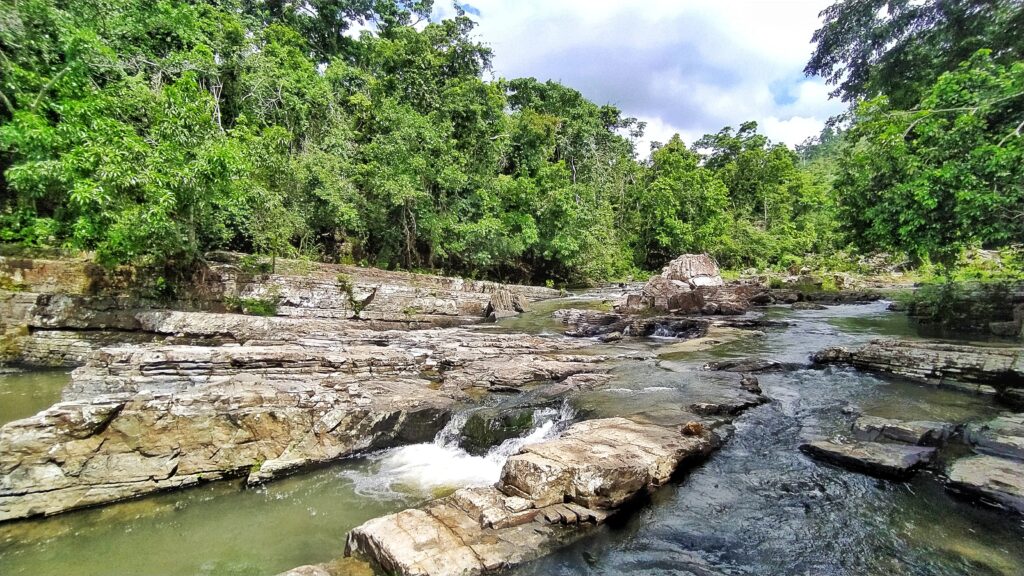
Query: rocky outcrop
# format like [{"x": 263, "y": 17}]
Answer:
[
  {"x": 894, "y": 461},
  {"x": 995, "y": 308},
  {"x": 549, "y": 493},
  {"x": 137, "y": 419},
  {"x": 996, "y": 475},
  {"x": 690, "y": 284},
  {"x": 997, "y": 481},
  {"x": 918, "y": 432},
  {"x": 980, "y": 369},
  {"x": 37, "y": 296}
]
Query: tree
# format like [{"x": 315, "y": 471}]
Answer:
[
  {"x": 898, "y": 48},
  {"x": 947, "y": 174}
]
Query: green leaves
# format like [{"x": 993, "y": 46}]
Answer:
[{"x": 945, "y": 175}]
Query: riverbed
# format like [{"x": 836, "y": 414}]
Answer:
[{"x": 758, "y": 506}]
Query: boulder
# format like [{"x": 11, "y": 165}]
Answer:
[
  {"x": 893, "y": 461},
  {"x": 994, "y": 480},
  {"x": 922, "y": 433},
  {"x": 694, "y": 269},
  {"x": 549, "y": 493}
]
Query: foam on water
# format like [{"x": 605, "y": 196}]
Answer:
[{"x": 423, "y": 470}]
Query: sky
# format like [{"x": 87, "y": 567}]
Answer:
[{"x": 681, "y": 66}]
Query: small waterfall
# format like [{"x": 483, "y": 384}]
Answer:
[{"x": 425, "y": 469}]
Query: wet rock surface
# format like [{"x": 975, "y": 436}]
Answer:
[
  {"x": 998, "y": 481},
  {"x": 921, "y": 433},
  {"x": 893, "y": 461},
  {"x": 548, "y": 494},
  {"x": 979, "y": 369},
  {"x": 1003, "y": 437}
]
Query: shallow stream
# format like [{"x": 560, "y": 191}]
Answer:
[{"x": 758, "y": 506}]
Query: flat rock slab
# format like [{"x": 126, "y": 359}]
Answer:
[
  {"x": 995, "y": 480},
  {"x": 894, "y": 461},
  {"x": 979, "y": 369},
  {"x": 1003, "y": 436},
  {"x": 548, "y": 494},
  {"x": 920, "y": 432}
]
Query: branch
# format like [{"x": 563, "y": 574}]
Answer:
[
  {"x": 1011, "y": 134},
  {"x": 46, "y": 88}
]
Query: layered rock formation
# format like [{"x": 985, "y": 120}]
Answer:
[
  {"x": 895, "y": 461},
  {"x": 86, "y": 307},
  {"x": 137, "y": 419},
  {"x": 996, "y": 474},
  {"x": 980, "y": 369}
]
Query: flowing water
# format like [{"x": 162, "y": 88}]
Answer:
[{"x": 758, "y": 506}]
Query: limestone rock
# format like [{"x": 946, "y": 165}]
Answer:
[
  {"x": 1003, "y": 436},
  {"x": 922, "y": 433},
  {"x": 695, "y": 269},
  {"x": 895, "y": 461},
  {"x": 995, "y": 480},
  {"x": 978, "y": 369}
]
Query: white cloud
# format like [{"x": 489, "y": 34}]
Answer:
[{"x": 687, "y": 66}]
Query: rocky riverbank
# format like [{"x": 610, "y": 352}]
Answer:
[{"x": 550, "y": 493}]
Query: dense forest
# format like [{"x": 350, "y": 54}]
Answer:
[{"x": 153, "y": 131}]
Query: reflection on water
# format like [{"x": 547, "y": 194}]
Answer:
[
  {"x": 756, "y": 507},
  {"x": 22, "y": 394}
]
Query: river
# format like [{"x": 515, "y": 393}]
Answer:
[{"x": 758, "y": 506}]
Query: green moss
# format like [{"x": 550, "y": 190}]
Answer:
[{"x": 9, "y": 284}]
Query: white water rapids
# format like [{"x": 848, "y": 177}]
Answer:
[{"x": 426, "y": 469}]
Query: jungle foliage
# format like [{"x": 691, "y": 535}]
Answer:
[{"x": 151, "y": 132}]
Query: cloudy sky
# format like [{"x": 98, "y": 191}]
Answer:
[{"x": 682, "y": 66}]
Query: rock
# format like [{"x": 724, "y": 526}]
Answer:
[
  {"x": 690, "y": 284},
  {"x": 137, "y": 419},
  {"x": 598, "y": 463},
  {"x": 922, "y": 433},
  {"x": 1009, "y": 329},
  {"x": 751, "y": 365},
  {"x": 694, "y": 269},
  {"x": 610, "y": 337},
  {"x": 894, "y": 461},
  {"x": 548, "y": 494},
  {"x": 808, "y": 306},
  {"x": 978, "y": 369},
  {"x": 505, "y": 301},
  {"x": 994, "y": 480},
  {"x": 1003, "y": 437}
]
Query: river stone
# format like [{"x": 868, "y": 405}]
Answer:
[
  {"x": 599, "y": 463},
  {"x": 1003, "y": 436},
  {"x": 923, "y": 433},
  {"x": 895, "y": 461},
  {"x": 996, "y": 480}
]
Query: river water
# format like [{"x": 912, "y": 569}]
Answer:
[{"x": 758, "y": 506}]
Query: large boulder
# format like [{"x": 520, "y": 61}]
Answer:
[
  {"x": 690, "y": 284},
  {"x": 694, "y": 269}
]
